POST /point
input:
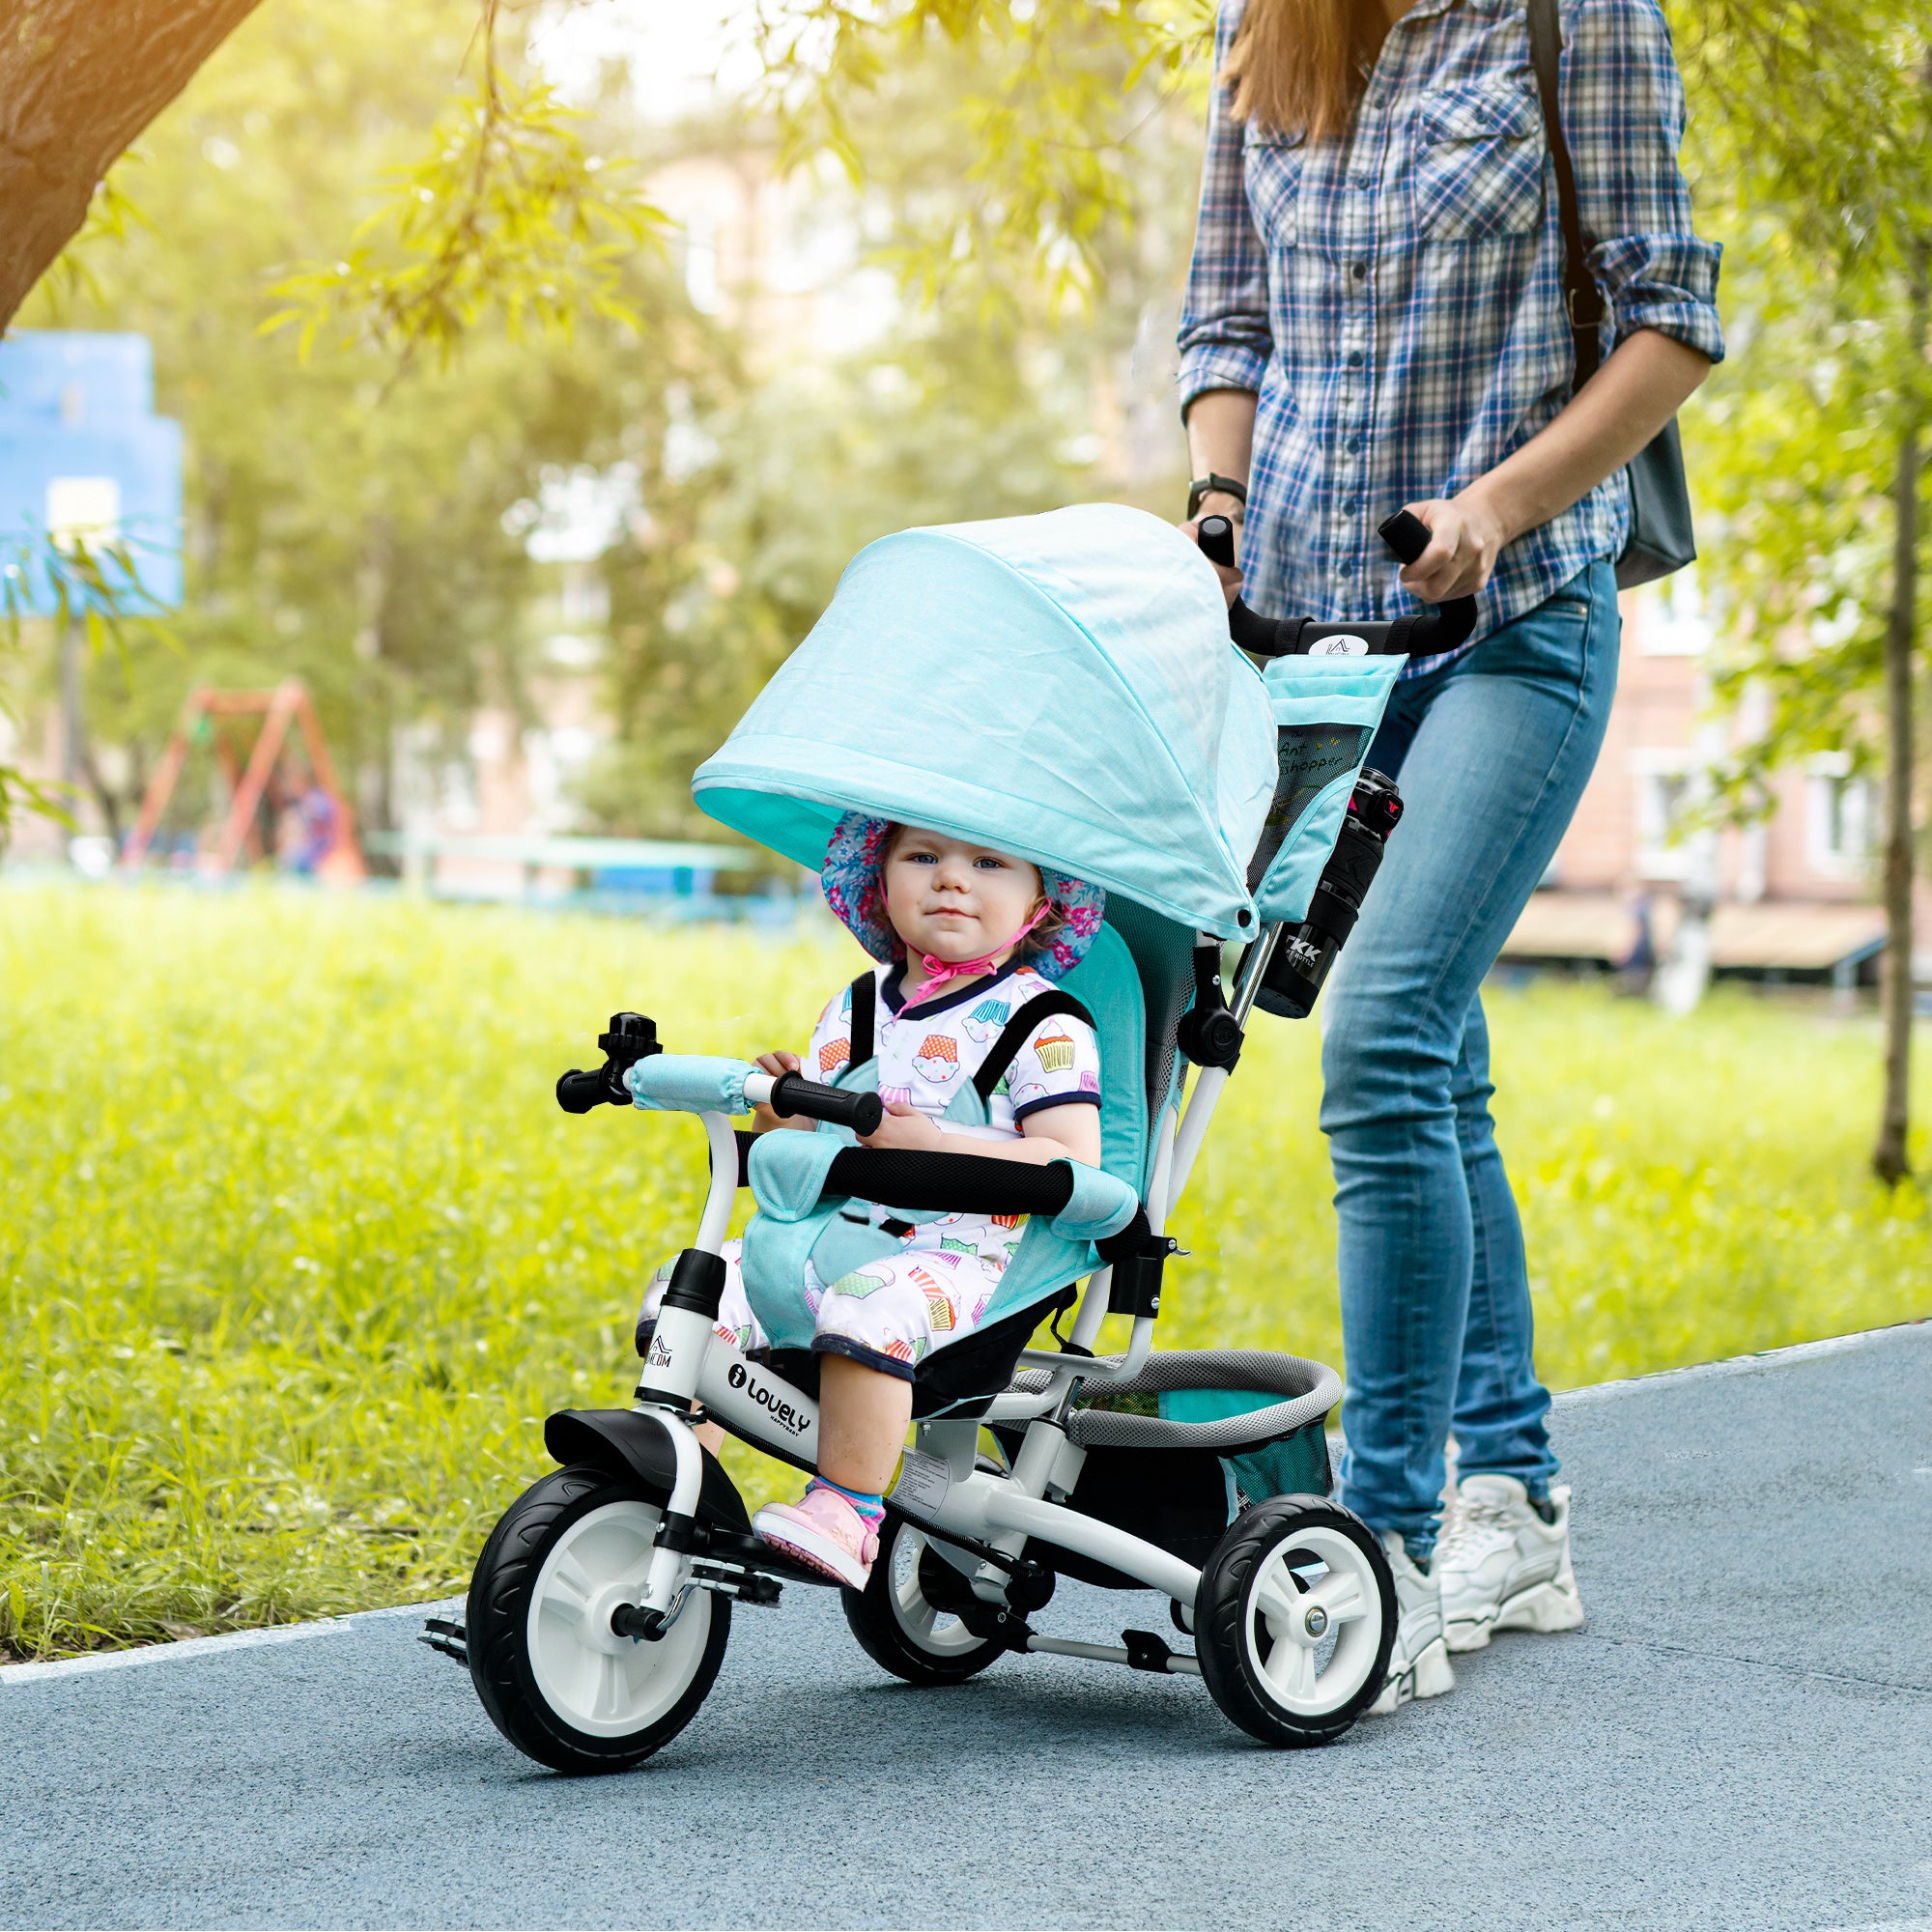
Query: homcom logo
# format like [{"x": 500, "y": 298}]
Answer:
[{"x": 769, "y": 1399}]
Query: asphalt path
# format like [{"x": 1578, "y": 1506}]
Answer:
[{"x": 1740, "y": 1737}]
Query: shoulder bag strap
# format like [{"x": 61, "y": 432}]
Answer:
[
  {"x": 865, "y": 1015},
  {"x": 1014, "y": 1035},
  {"x": 1582, "y": 300}
]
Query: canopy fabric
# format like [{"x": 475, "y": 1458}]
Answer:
[{"x": 1059, "y": 687}]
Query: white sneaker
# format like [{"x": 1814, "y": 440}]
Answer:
[
  {"x": 1502, "y": 1567},
  {"x": 1419, "y": 1664}
]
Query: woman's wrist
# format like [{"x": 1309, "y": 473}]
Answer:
[{"x": 1219, "y": 504}]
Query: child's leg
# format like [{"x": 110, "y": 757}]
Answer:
[{"x": 863, "y": 1416}]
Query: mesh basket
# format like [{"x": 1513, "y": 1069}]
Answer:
[{"x": 1173, "y": 1456}]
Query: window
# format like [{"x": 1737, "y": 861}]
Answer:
[
  {"x": 1672, "y": 621},
  {"x": 1664, "y": 790},
  {"x": 83, "y": 509},
  {"x": 1841, "y": 816}
]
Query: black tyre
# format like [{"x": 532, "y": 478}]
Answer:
[
  {"x": 555, "y": 1678},
  {"x": 907, "y": 1617},
  {"x": 1295, "y": 1620}
]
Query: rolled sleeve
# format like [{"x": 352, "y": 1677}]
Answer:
[
  {"x": 1225, "y": 338},
  {"x": 1623, "y": 107}
]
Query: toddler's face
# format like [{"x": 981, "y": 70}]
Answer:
[{"x": 954, "y": 901}]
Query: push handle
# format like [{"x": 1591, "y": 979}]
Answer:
[
  {"x": 1417, "y": 636},
  {"x": 793, "y": 1094}
]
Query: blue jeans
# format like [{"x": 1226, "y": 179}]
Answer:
[{"x": 1492, "y": 752}]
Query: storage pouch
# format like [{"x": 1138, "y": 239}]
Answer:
[
  {"x": 1176, "y": 1455},
  {"x": 1326, "y": 712}
]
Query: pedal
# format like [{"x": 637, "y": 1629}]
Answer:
[
  {"x": 748, "y": 1586},
  {"x": 446, "y": 1639}
]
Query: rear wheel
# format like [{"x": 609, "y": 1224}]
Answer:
[
  {"x": 555, "y": 1679},
  {"x": 907, "y": 1617},
  {"x": 1295, "y": 1620}
]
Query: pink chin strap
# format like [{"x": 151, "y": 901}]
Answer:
[{"x": 939, "y": 971}]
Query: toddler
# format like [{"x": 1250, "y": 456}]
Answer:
[{"x": 966, "y": 936}]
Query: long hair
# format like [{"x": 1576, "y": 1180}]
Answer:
[{"x": 1298, "y": 67}]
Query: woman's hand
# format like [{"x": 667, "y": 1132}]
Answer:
[
  {"x": 1464, "y": 536},
  {"x": 905, "y": 1126},
  {"x": 763, "y": 1120}
]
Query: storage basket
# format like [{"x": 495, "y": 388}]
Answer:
[{"x": 1173, "y": 1456}]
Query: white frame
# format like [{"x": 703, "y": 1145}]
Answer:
[{"x": 941, "y": 1487}]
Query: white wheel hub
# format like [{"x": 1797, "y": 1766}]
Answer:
[
  {"x": 1313, "y": 1626},
  {"x": 933, "y": 1631},
  {"x": 599, "y": 1682}
]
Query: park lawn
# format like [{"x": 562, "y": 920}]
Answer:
[{"x": 298, "y": 1250}]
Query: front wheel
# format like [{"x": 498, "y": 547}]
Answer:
[
  {"x": 1295, "y": 1620},
  {"x": 555, "y": 1679},
  {"x": 907, "y": 1617}
]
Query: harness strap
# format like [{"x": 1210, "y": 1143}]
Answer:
[
  {"x": 1014, "y": 1035},
  {"x": 865, "y": 1009}
]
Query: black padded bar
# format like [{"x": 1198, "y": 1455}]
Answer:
[{"x": 949, "y": 1183}]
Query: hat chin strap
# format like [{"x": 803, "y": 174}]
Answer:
[{"x": 938, "y": 972}]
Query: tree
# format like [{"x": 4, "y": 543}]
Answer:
[
  {"x": 345, "y": 517},
  {"x": 1809, "y": 445}
]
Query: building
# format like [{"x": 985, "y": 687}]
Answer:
[{"x": 1790, "y": 897}]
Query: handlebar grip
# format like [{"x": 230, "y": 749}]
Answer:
[
  {"x": 1404, "y": 533},
  {"x": 1217, "y": 541},
  {"x": 578, "y": 1093},
  {"x": 794, "y": 1093}
]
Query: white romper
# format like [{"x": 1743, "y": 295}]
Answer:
[{"x": 893, "y": 1312}]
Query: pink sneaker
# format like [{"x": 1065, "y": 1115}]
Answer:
[{"x": 824, "y": 1532}]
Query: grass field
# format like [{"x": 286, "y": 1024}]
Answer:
[{"x": 298, "y": 1251}]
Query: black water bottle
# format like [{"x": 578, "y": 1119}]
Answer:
[{"x": 1304, "y": 954}]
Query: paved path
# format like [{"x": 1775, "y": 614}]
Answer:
[{"x": 1742, "y": 1738}]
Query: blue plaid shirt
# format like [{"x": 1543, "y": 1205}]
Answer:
[{"x": 1395, "y": 296}]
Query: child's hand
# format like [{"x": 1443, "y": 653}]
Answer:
[
  {"x": 905, "y": 1126},
  {"x": 763, "y": 1120}
]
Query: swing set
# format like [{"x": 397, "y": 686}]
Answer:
[{"x": 287, "y": 767}]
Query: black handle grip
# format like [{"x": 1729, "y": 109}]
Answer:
[
  {"x": 1217, "y": 541},
  {"x": 794, "y": 1093},
  {"x": 578, "y": 1093},
  {"x": 1404, "y": 533}
]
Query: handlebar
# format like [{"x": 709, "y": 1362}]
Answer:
[
  {"x": 788, "y": 1093},
  {"x": 628, "y": 1039},
  {"x": 1423, "y": 634}
]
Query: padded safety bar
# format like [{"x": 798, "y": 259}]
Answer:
[{"x": 949, "y": 1183}]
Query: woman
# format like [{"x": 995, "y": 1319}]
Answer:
[{"x": 1375, "y": 318}]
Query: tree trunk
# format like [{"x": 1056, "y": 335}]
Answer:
[
  {"x": 78, "y": 81},
  {"x": 1891, "y": 1157}
]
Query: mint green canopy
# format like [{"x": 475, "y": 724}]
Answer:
[{"x": 1060, "y": 687}]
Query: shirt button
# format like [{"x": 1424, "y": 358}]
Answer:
[
  {"x": 1360, "y": 269},
  {"x": 1353, "y": 443},
  {"x": 1355, "y": 359}
]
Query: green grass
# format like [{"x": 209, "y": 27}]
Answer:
[{"x": 298, "y": 1251}]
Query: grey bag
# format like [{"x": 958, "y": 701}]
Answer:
[{"x": 1661, "y": 538}]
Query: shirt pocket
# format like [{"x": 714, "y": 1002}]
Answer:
[
  {"x": 1272, "y": 166},
  {"x": 1478, "y": 164}
]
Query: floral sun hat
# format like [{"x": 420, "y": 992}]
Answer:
[{"x": 855, "y": 892}]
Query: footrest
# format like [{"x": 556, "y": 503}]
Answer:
[{"x": 446, "y": 1639}]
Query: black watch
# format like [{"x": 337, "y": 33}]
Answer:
[{"x": 1212, "y": 485}]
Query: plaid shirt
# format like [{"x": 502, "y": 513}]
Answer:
[{"x": 1395, "y": 296}]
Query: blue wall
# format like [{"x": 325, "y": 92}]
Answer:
[{"x": 79, "y": 404}]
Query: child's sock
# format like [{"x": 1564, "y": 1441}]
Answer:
[{"x": 870, "y": 1505}]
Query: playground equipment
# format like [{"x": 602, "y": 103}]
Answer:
[{"x": 282, "y": 769}]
